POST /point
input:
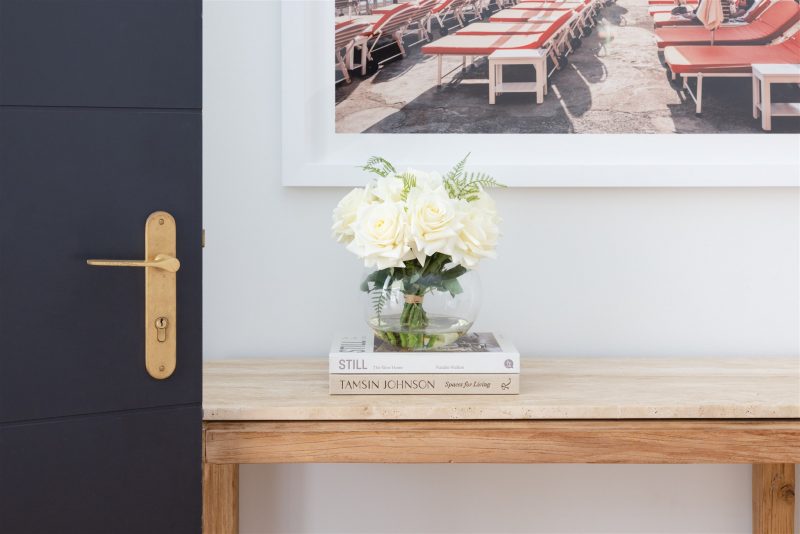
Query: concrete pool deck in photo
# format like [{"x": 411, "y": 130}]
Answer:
[{"x": 613, "y": 83}]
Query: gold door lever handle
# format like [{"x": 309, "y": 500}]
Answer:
[
  {"x": 160, "y": 292},
  {"x": 161, "y": 261}
]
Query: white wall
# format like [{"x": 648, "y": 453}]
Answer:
[{"x": 591, "y": 272}]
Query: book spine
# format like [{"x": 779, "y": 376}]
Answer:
[
  {"x": 425, "y": 384},
  {"x": 454, "y": 363}
]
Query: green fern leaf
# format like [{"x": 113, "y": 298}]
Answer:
[
  {"x": 453, "y": 178},
  {"x": 380, "y": 166},
  {"x": 409, "y": 182},
  {"x": 378, "y": 297},
  {"x": 469, "y": 186},
  {"x": 458, "y": 170}
]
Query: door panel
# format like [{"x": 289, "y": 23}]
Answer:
[
  {"x": 65, "y": 480},
  {"x": 120, "y": 53},
  {"x": 79, "y": 184},
  {"x": 100, "y": 125}
]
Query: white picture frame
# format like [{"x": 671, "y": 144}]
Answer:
[{"x": 313, "y": 154}]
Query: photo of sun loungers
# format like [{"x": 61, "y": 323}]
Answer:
[{"x": 567, "y": 66}]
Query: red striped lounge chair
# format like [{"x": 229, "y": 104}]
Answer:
[
  {"x": 392, "y": 24},
  {"x": 483, "y": 45},
  {"x": 708, "y": 61},
  {"x": 504, "y": 28},
  {"x": 581, "y": 23},
  {"x": 546, "y": 6},
  {"x": 531, "y": 15},
  {"x": 445, "y": 10},
  {"x": 769, "y": 25},
  {"x": 346, "y": 35}
]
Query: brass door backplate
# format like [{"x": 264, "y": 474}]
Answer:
[
  {"x": 160, "y": 288},
  {"x": 160, "y": 293}
]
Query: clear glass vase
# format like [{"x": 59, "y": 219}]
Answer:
[{"x": 415, "y": 310}]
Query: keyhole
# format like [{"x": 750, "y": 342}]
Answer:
[{"x": 161, "y": 329}]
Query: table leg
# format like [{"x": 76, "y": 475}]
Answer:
[
  {"x": 220, "y": 498},
  {"x": 699, "y": 107},
  {"x": 766, "y": 106},
  {"x": 773, "y": 498},
  {"x": 541, "y": 81},
  {"x": 499, "y": 76},
  {"x": 492, "y": 78},
  {"x": 756, "y": 97},
  {"x": 544, "y": 73}
]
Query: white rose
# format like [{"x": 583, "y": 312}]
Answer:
[
  {"x": 434, "y": 220},
  {"x": 478, "y": 235},
  {"x": 344, "y": 214},
  {"x": 380, "y": 235},
  {"x": 427, "y": 181},
  {"x": 386, "y": 189}
]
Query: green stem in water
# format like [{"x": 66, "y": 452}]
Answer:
[{"x": 413, "y": 319}]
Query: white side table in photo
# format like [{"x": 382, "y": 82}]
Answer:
[
  {"x": 536, "y": 58},
  {"x": 765, "y": 75}
]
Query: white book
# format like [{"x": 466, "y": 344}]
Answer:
[
  {"x": 425, "y": 384},
  {"x": 473, "y": 353}
]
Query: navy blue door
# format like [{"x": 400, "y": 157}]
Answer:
[{"x": 100, "y": 125}]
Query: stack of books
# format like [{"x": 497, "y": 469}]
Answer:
[{"x": 478, "y": 363}]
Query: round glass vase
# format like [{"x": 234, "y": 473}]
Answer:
[{"x": 422, "y": 313}]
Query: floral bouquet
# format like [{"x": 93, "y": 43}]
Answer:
[{"x": 422, "y": 233}]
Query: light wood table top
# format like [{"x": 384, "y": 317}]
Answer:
[
  {"x": 590, "y": 410},
  {"x": 552, "y": 388}
]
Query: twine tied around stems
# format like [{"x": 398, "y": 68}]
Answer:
[{"x": 413, "y": 299}]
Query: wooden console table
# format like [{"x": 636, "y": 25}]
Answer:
[{"x": 570, "y": 411}]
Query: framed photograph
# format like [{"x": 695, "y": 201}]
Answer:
[{"x": 608, "y": 114}]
